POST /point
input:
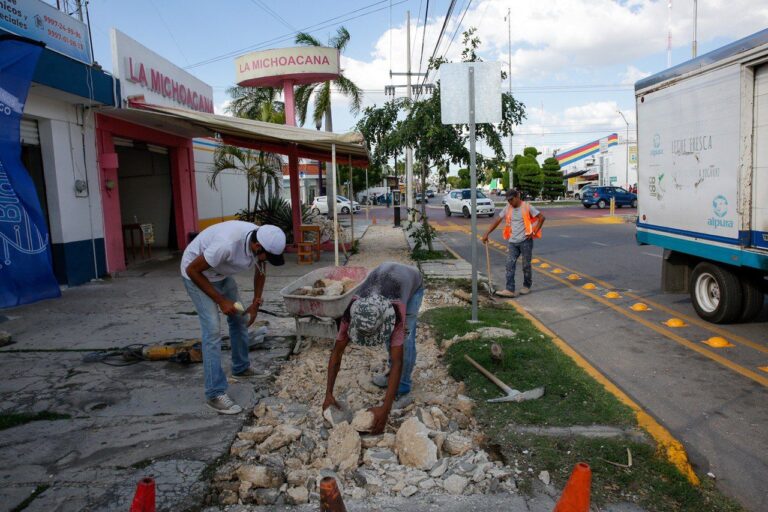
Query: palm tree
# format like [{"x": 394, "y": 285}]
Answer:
[
  {"x": 257, "y": 103},
  {"x": 259, "y": 167},
  {"x": 322, "y": 90}
]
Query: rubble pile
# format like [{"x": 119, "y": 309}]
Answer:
[
  {"x": 431, "y": 446},
  {"x": 327, "y": 288}
]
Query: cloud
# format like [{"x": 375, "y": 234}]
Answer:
[
  {"x": 632, "y": 75},
  {"x": 221, "y": 107}
]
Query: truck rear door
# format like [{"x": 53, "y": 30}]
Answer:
[{"x": 759, "y": 213}]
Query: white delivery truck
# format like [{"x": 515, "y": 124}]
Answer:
[{"x": 703, "y": 177}]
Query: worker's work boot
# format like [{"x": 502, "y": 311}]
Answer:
[
  {"x": 246, "y": 375},
  {"x": 402, "y": 401},
  {"x": 506, "y": 293},
  {"x": 222, "y": 404},
  {"x": 525, "y": 291},
  {"x": 381, "y": 379}
]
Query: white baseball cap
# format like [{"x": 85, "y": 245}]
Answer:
[{"x": 272, "y": 240}]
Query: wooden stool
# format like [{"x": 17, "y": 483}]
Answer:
[
  {"x": 311, "y": 229},
  {"x": 306, "y": 253}
]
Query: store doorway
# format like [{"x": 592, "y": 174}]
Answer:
[{"x": 146, "y": 200}]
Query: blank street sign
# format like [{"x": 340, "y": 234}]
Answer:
[{"x": 454, "y": 92}]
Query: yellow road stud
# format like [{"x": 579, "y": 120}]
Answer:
[
  {"x": 574, "y": 277},
  {"x": 544, "y": 265},
  {"x": 763, "y": 368},
  {"x": 589, "y": 286},
  {"x": 535, "y": 260},
  {"x": 675, "y": 322},
  {"x": 718, "y": 342},
  {"x": 639, "y": 306},
  {"x": 612, "y": 295},
  {"x": 557, "y": 271}
]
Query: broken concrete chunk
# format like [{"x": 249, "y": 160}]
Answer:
[
  {"x": 334, "y": 415},
  {"x": 455, "y": 484},
  {"x": 464, "y": 405},
  {"x": 409, "y": 491},
  {"x": 344, "y": 447},
  {"x": 456, "y": 444},
  {"x": 387, "y": 441},
  {"x": 297, "y": 495},
  {"x": 283, "y": 435},
  {"x": 239, "y": 447},
  {"x": 228, "y": 497},
  {"x": 368, "y": 480},
  {"x": 256, "y": 434},
  {"x": 260, "y": 476},
  {"x": 439, "y": 468},
  {"x": 378, "y": 456},
  {"x": 5, "y": 338},
  {"x": 413, "y": 445},
  {"x": 363, "y": 421},
  {"x": 440, "y": 419},
  {"x": 426, "y": 418},
  {"x": 544, "y": 477}
]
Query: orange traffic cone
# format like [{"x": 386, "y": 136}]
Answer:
[
  {"x": 374, "y": 221},
  {"x": 144, "y": 499},
  {"x": 330, "y": 497},
  {"x": 575, "y": 497}
]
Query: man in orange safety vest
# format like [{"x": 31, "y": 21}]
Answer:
[{"x": 522, "y": 224}]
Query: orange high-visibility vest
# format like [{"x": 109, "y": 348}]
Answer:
[{"x": 530, "y": 222}]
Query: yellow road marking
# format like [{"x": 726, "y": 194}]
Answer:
[
  {"x": 669, "y": 334},
  {"x": 672, "y": 448},
  {"x": 763, "y": 368}
]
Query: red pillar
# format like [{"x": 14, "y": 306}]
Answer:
[{"x": 290, "y": 103}]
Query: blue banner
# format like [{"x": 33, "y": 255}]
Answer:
[{"x": 26, "y": 272}]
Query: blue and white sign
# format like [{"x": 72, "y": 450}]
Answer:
[
  {"x": 42, "y": 22},
  {"x": 26, "y": 271}
]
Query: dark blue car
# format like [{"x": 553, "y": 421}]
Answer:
[{"x": 601, "y": 197}]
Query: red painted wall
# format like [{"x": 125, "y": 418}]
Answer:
[{"x": 182, "y": 179}]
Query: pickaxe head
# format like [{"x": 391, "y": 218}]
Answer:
[{"x": 514, "y": 395}]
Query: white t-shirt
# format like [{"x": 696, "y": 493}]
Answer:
[
  {"x": 225, "y": 247},
  {"x": 518, "y": 226}
]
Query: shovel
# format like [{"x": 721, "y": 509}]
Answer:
[
  {"x": 491, "y": 289},
  {"x": 511, "y": 395}
]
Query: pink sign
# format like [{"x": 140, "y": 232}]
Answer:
[{"x": 167, "y": 87}]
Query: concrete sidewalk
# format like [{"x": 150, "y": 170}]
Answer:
[{"x": 126, "y": 422}]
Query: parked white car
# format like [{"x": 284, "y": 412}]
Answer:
[
  {"x": 320, "y": 205},
  {"x": 459, "y": 202},
  {"x": 355, "y": 204}
]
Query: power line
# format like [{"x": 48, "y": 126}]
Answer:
[
  {"x": 448, "y": 15},
  {"x": 418, "y": 15},
  {"x": 170, "y": 32},
  {"x": 273, "y": 14},
  {"x": 330, "y": 22},
  {"x": 423, "y": 36},
  {"x": 456, "y": 31}
]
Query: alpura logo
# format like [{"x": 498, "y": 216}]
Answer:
[
  {"x": 656, "y": 150},
  {"x": 720, "y": 209}
]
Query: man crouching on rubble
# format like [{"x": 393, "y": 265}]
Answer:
[{"x": 384, "y": 310}]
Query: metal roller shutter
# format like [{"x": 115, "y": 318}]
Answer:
[{"x": 29, "y": 133}]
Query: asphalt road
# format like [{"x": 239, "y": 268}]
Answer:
[{"x": 712, "y": 399}]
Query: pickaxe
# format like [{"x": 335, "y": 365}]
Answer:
[{"x": 511, "y": 395}]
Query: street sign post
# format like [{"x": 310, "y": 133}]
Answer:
[{"x": 471, "y": 93}]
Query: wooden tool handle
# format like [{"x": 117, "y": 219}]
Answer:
[
  {"x": 488, "y": 265},
  {"x": 485, "y": 372}
]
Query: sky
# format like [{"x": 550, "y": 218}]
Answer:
[{"x": 573, "y": 62}]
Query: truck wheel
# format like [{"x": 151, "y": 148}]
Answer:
[
  {"x": 466, "y": 213},
  {"x": 601, "y": 204},
  {"x": 634, "y": 203},
  {"x": 716, "y": 293},
  {"x": 447, "y": 211},
  {"x": 753, "y": 297}
]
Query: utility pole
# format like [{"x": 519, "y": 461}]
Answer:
[
  {"x": 408, "y": 150},
  {"x": 509, "y": 72},
  {"x": 694, "y": 49},
  {"x": 626, "y": 174}
]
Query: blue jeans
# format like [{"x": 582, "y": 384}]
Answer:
[
  {"x": 210, "y": 324},
  {"x": 409, "y": 347},
  {"x": 524, "y": 249}
]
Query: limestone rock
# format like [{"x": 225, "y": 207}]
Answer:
[
  {"x": 228, "y": 497},
  {"x": 387, "y": 441},
  {"x": 439, "y": 417},
  {"x": 464, "y": 405},
  {"x": 260, "y": 476},
  {"x": 5, "y": 338},
  {"x": 299, "y": 477},
  {"x": 297, "y": 495},
  {"x": 426, "y": 418},
  {"x": 378, "y": 456},
  {"x": 239, "y": 447},
  {"x": 456, "y": 444},
  {"x": 544, "y": 477},
  {"x": 256, "y": 434},
  {"x": 427, "y": 484},
  {"x": 369, "y": 480},
  {"x": 344, "y": 447},
  {"x": 439, "y": 468},
  {"x": 409, "y": 491},
  {"x": 455, "y": 484},
  {"x": 283, "y": 435},
  {"x": 370, "y": 441},
  {"x": 364, "y": 381},
  {"x": 414, "y": 447},
  {"x": 363, "y": 421},
  {"x": 334, "y": 416}
]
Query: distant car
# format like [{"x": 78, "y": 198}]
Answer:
[
  {"x": 418, "y": 198},
  {"x": 320, "y": 205},
  {"x": 586, "y": 189},
  {"x": 459, "y": 202},
  {"x": 355, "y": 204},
  {"x": 430, "y": 193},
  {"x": 601, "y": 197}
]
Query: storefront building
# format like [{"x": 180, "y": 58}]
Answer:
[{"x": 58, "y": 137}]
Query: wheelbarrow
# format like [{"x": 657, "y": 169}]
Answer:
[{"x": 316, "y": 317}]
